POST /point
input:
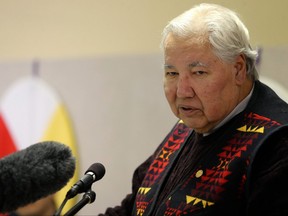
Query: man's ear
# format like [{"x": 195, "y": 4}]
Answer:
[{"x": 240, "y": 69}]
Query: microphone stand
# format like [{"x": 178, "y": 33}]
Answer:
[{"x": 88, "y": 197}]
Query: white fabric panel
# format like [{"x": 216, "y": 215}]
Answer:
[{"x": 18, "y": 114}]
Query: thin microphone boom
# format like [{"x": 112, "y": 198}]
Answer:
[{"x": 94, "y": 173}]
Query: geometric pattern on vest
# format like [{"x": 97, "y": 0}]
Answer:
[
  {"x": 209, "y": 183},
  {"x": 156, "y": 169}
]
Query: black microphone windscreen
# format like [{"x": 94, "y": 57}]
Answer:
[
  {"x": 98, "y": 169},
  {"x": 33, "y": 173}
]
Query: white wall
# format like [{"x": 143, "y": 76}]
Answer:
[{"x": 118, "y": 110}]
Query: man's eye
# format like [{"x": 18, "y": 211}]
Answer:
[
  {"x": 199, "y": 72},
  {"x": 171, "y": 73}
]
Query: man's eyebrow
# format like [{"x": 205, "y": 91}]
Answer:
[
  {"x": 197, "y": 64},
  {"x": 192, "y": 65},
  {"x": 166, "y": 66}
]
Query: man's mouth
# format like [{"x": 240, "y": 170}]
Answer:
[{"x": 187, "y": 109}]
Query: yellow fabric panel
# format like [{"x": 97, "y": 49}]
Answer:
[{"x": 60, "y": 130}]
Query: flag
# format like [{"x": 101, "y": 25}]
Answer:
[{"x": 31, "y": 111}]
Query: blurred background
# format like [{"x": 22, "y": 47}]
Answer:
[{"x": 103, "y": 60}]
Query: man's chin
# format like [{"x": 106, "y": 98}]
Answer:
[{"x": 199, "y": 128}]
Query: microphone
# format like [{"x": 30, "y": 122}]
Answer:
[
  {"x": 33, "y": 173},
  {"x": 94, "y": 173}
]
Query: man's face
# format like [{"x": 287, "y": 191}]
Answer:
[{"x": 200, "y": 88}]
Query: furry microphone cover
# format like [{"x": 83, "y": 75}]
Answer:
[{"x": 33, "y": 173}]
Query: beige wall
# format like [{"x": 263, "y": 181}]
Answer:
[{"x": 72, "y": 28}]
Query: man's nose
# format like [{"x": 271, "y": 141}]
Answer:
[{"x": 184, "y": 87}]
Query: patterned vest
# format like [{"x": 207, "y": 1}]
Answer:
[{"x": 218, "y": 180}]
